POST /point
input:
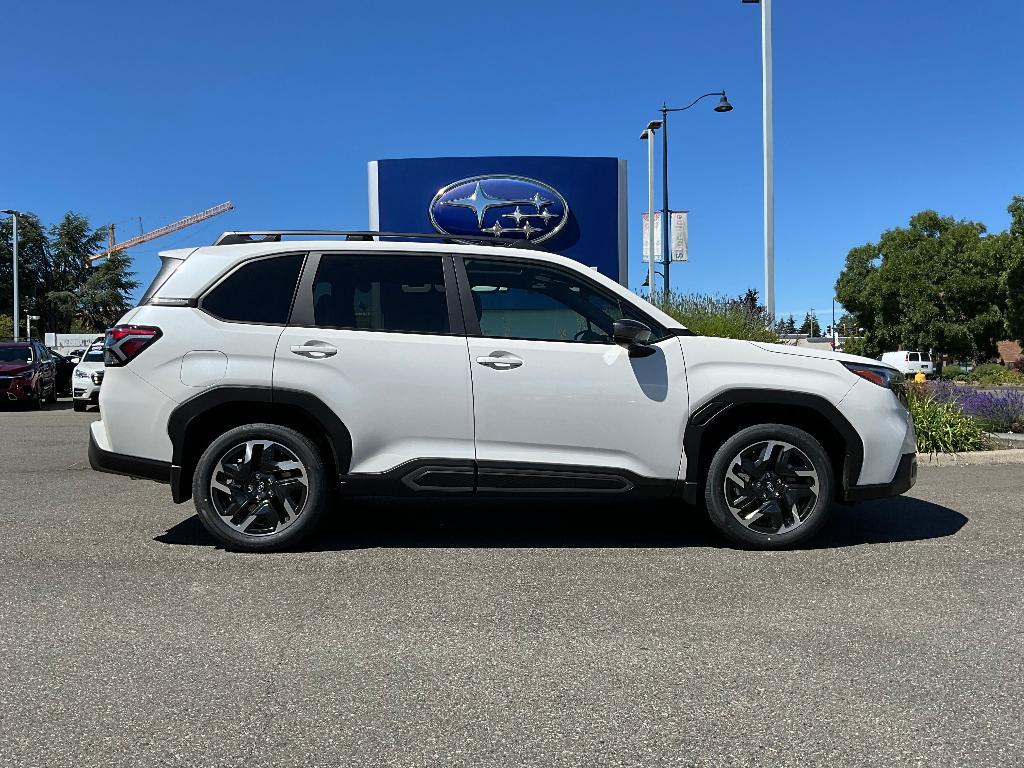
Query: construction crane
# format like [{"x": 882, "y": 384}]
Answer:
[{"x": 188, "y": 221}]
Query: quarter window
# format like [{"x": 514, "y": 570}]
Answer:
[
  {"x": 381, "y": 293},
  {"x": 527, "y": 301},
  {"x": 258, "y": 292}
]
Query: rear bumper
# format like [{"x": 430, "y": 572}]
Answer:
[
  {"x": 902, "y": 481},
  {"x": 132, "y": 466}
]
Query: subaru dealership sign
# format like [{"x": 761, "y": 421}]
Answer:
[{"x": 575, "y": 206}]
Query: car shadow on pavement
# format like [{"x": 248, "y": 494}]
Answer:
[{"x": 506, "y": 523}]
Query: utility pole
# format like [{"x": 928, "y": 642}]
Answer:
[{"x": 14, "y": 224}]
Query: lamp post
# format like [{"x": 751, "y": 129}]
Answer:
[
  {"x": 648, "y": 136},
  {"x": 769, "y": 153},
  {"x": 723, "y": 105},
  {"x": 28, "y": 325},
  {"x": 14, "y": 219}
]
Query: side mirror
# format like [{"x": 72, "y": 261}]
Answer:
[{"x": 634, "y": 336}]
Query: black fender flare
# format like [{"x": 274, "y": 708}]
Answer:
[
  {"x": 715, "y": 409},
  {"x": 185, "y": 415}
]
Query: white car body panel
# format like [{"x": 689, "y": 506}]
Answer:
[
  {"x": 401, "y": 396},
  {"x": 581, "y": 404}
]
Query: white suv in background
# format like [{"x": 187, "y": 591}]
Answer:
[
  {"x": 88, "y": 376},
  {"x": 260, "y": 376}
]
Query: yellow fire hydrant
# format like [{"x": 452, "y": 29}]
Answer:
[{"x": 919, "y": 377}]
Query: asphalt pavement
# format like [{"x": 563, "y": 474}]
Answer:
[{"x": 467, "y": 633}]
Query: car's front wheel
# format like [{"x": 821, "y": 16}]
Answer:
[
  {"x": 769, "y": 486},
  {"x": 80, "y": 405},
  {"x": 260, "y": 487}
]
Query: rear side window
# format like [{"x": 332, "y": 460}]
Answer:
[
  {"x": 381, "y": 293},
  {"x": 258, "y": 292},
  {"x": 913, "y": 357}
]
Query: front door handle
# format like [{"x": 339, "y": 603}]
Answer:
[
  {"x": 315, "y": 350},
  {"x": 500, "y": 361}
]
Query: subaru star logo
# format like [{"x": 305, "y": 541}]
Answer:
[{"x": 507, "y": 207}]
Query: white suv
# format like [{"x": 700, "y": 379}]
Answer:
[{"x": 260, "y": 376}]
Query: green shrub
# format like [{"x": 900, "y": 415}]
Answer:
[
  {"x": 718, "y": 316},
  {"x": 953, "y": 372},
  {"x": 993, "y": 373},
  {"x": 942, "y": 426},
  {"x": 6, "y": 326}
]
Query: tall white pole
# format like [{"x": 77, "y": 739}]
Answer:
[
  {"x": 15, "y": 275},
  {"x": 769, "y": 160},
  {"x": 650, "y": 213}
]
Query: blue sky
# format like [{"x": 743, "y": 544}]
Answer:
[{"x": 882, "y": 108}]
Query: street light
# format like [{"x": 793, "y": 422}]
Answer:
[
  {"x": 14, "y": 217},
  {"x": 648, "y": 136},
  {"x": 769, "y": 159},
  {"x": 723, "y": 105},
  {"x": 28, "y": 325}
]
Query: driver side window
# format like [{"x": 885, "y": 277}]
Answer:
[{"x": 526, "y": 301}]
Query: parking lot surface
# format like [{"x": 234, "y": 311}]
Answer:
[{"x": 491, "y": 634}]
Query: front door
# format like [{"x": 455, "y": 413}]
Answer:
[
  {"x": 377, "y": 338},
  {"x": 551, "y": 388}
]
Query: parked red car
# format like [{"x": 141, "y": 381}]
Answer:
[{"x": 27, "y": 373}]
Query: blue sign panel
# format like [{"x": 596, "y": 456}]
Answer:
[{"x": 575, "y": 206}]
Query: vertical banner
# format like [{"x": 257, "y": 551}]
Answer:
[{"x": 679, "y": 232}]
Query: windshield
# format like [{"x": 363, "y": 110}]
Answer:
[
  {"x": 15, "y": 354},
  {"x": 94, "y": 355}
]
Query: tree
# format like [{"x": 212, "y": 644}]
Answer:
[
  {"x": 1013, "y": 279},
  {"x": 6, "y": 327},
  {"x": 810, "y": 324},
  {"x": 55, "y": 278},
  {"x": 934, "y": 285},
  {"x": 104, "y": 297}
]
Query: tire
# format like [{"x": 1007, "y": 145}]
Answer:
[
  {"x": 769, "y": 486},
  {"x": 53, "y": 393},
  {"x": 260, "y": 488},
  {"x": 37, "y": 401},
  {"x": 80, "y": 405}
]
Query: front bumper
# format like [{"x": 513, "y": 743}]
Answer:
[
  {"x": 132, "y": 466},
  {"x": 902, "y": 481}
]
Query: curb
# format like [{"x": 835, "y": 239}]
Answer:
[{"x": 971, "y": 458}]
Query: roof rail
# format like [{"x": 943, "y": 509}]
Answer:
[{"x": 276, "y": 235}]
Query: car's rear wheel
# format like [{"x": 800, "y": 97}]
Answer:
[
  {"x": 769, "y": 486},
  {"x": 260, "y": 487}
]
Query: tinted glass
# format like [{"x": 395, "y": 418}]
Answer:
[
  {"x": 381, "y": 293},
  {"x": 16, "y": 354},
  {"x": 257, "y": 292},
  {"x": 94, "y": 355},
  {"x": 526, "y": 301},
  {"x": 913, "y": 357},
  {"x": 926, "y": 357}
]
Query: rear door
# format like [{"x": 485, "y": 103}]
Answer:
[{"x": 379, "y": 339}]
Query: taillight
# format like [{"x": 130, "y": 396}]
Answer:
[{"x": 123, "y": 343}]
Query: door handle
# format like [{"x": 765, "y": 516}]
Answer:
[
  {"x": 315, "y": 350},
  {"x": 500, "y": 361}
]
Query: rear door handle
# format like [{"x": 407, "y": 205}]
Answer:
[
  {"x": 315, "y": 350},
  {"x": 500, "y": 361}
]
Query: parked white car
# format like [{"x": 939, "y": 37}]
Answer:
[
  {"x": 258, "y": 377},
  {"x": 87, "y": 378},
  {"x": 909, "y": 363}
]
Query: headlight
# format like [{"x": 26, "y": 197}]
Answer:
[
  {"x": 883, "y": 376},
  {"x": 81, "y": 374}
]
